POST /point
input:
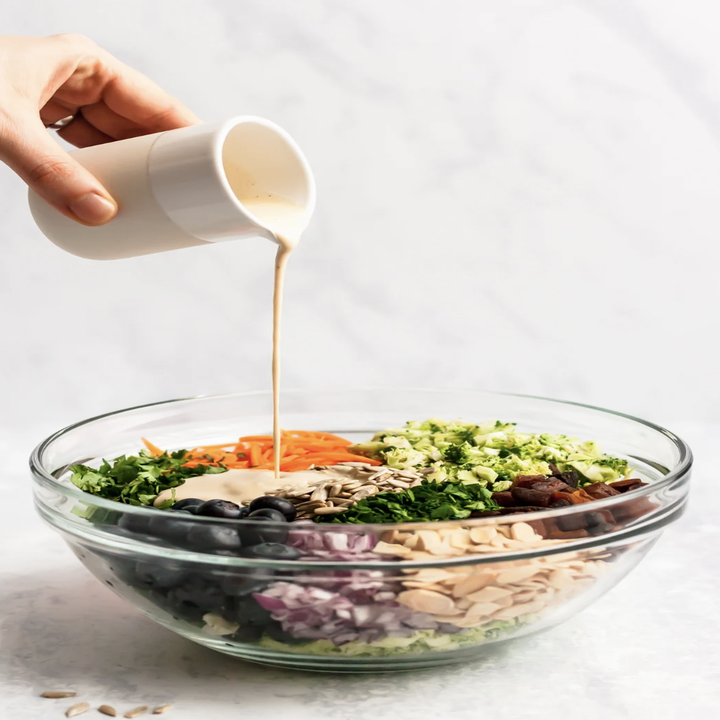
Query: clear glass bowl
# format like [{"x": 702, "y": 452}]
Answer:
[{"x": 355, "y": 601}]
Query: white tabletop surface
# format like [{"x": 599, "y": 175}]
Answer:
[{"x": 650, "y": 648}]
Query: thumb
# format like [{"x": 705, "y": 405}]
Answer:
[{"x": 54, "y": 175}]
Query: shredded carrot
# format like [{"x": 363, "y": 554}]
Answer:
[
  {"x": 255, "y": 454},
  {"x": 299, "y": 450},
  {"x": 154, "y": 449}
]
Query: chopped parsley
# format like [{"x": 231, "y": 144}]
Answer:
[
  {"x": 138, "y": 479},
  {"x": 427, "y": 501}
]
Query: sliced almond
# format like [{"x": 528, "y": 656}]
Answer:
[
  {"x": 433, "y": 575},
  {"x": 561, "y": 578},
  {"x": 383, "y": 548},
  {"x": 486, "y": 549},
  {"x": 504, "y": 601},
  {"x": 454, "y": 580},
  {"x": 483, "y": 535},
  {"x": 427, "y": 601},
  {"x": 427, "y": 540},
  {"x": 472, "y": 583},
  {"x": 448, "y": 618},
  {"x": 426, "y": 586},
  {"x": 460, "y": 539},
  {"x": 412, "y": 541},
  {"x": 481, "y": 609},
  {"x": 419, "y": 556},
  {"x": 515, "y": 611},
  {"x": 522, "y": 531},
  {"x": 489, "y": 594},
  {"x": 517, "y": 574},
  {"x": 444, "y": 549}
]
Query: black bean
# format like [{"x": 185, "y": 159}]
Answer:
[
  {"x": 269, "y": 513},
  {"x": 148, "y": 574},
  {"x": 243, "y": 584},
  {"x": 249, "y": 612},
  {"x": 259, "y": 529},
  {"x": 171, "y": 526},
  {"x": 220, "y": 509},
  {"x": 271, "y": 551},
  {"x": 248, "y": 633},
  {"x": 188, "y": 504},
  {"x": 274, "y": 503},
  {"x": 135, "y": 523},
  {"x": 203, "y": 536}
]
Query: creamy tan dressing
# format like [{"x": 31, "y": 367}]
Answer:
[
  {"x": 240, "y": 486},
  {"x": 286, "y": 220}
]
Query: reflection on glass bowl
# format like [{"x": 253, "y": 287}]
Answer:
[{"x": 359, "y": 597}]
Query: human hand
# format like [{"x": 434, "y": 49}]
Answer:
[{"x": 46, "y": 79}]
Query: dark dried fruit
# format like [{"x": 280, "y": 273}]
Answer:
[
  {"x": 600, "y": 490},
  {"x": 504, "y": 499},
  {"x": 528, "y": 496},
  {"x": 627, "y": 485},
  {"x": 570, "y": 477}
]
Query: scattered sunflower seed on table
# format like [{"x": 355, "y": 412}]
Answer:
[
  {"x": 77, "y": 709},
  {"x": 135, "y": 712}
]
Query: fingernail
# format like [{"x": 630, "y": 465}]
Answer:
[{"x": 93, "y": 209}]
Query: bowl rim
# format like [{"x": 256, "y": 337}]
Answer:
[{"x": 676, "y": 473}]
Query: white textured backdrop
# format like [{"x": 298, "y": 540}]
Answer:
[{"x": 513, "y": 195}]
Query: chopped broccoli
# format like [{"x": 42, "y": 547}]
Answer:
[{"x": 491, "y": 453}]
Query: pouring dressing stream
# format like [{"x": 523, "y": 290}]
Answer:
[{"x": 286, "y": 220}]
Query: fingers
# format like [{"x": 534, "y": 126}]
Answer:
[
  {"x": 110, "y": 123},
  {"x": 81, "y": 133},
  {"x": 133, "y": 96},
  {"x": 29, "y": 150}
]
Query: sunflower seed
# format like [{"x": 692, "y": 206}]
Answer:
[
  {"x": 407, "y": 474},
  {"x": 364, "y": 492},
  {"x": 329, "y": 510},
  {"x": 335, "y": 490},
  {"x": 319, "y": 494},
  {"x": 398, "y": 484},
  {"x": 160, "y": 709},
  {"x": 355, "y": 464},
  {"x": 58, "y": 694},
  {"x": 77, "y": 709},
  {"x": 140, "y": 710},
  {"x": 310, "y": 503},
  {"x": 107, "y": 710}
]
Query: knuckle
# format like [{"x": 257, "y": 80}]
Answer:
[
  {"x": 74, "y": 39},
  {"x": 51, "y": 172}
]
